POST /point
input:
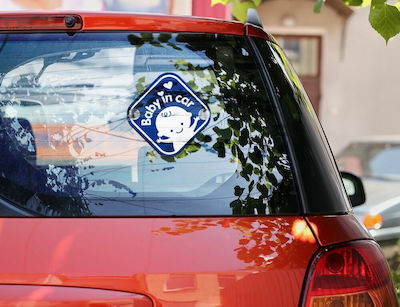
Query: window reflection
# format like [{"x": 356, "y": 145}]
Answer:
[
  {"x": 302, "y": 52},
  {"x": 65, "y": 134}
]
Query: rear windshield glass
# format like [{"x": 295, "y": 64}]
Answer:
[{"x": 136, "y": 124}]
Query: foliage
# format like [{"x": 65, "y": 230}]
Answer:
[
  {"x": 239, "y": 7},
  {"x": 383, "y": 17},
  {"x": 396, "y": 279},
  {"x": 242, "y": 131},
  {"x": 47, "y": 190},
  {"x": 394, "y": 264},
  {"x": 260, "y": 241},
  {"x": 246, "y": 134}
]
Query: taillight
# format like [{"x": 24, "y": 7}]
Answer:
[
  {"x": 353, "y": 275},
  {"x": 40, "y": 22}
]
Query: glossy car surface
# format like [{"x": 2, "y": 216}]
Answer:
[
  {"x": 135, "y": 255},
  {"x": 376, "y": 161},
  {"x": 251, "y": 210}
]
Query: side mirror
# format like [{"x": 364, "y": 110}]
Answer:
[{"x": 354, "y": 188}]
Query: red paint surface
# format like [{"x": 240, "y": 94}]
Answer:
[
  {"x": 258, "y": 32},
  {"x": 338, "y": 228},
  {"x": 18, "y": 295},
  {"x": 212, "y": 261},
  {"x": 159, "y": 23},
  {"x": 203, "y": 8},
  {"x": 37, "y": 22},
  {"x": 139, "y": 22}
]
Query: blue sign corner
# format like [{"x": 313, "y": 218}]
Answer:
[{"x": 168, "y": 114}]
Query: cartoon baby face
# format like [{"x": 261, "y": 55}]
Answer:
[{"x": 173, "y": 121}]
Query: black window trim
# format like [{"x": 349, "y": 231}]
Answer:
[
  {"x": 336, "y": 203},
  {"x": 266, "y": 78}
]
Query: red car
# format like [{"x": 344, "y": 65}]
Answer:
[{"x": 169, "y": 161}]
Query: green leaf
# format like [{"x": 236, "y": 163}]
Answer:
[
  {"x": 135, "y": 40},
  {"x": 208, "y": 88},
  {"x": 174, "y": 46},
  {"x": 379, "y": 2},
  {"x": 263, "y": 189},
  {"x": 235, "y": 124},
  {"x": 224, "y": 2},
  {"x": 193, "y": 147},
  {"x": 234, "y": 150},
  {"x": 239, "y": 9},
  {"x": 318, "y": 6},
  {"x": 244, "y": 137},
  {"x": 238, "y": 191},
  {"x": 256, "y": 156},
  {"x": 151, "y": 155},
  {"x": 219, "y": 147},
  {"x": 385, "y": 19},
  {"x": 168, "y": 158},
  {"x": 224, "y": 134},
  {"x": 353, "y": 2},
  {"x": 204, "y": 138},
  {"x": 140, "y": 87},
  {"x": 236, "y": 206},
  {"x": 147, "y": 37},
  {"x": 156, "y": 44},
  {"x": 366, "y": 3},
  {"x": 181, "y": 155},
  {"x": 272, "y": 179},
  {"x": 251, "y": 186},
  {"x": 247, "y": 171},
  {"x": 241, "y": 157},
  {"x": 164, "y": 37}
]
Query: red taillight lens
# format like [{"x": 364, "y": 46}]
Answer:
[
  {"x": 354, "y": 275},
  {"x": 40, "y": 22}
]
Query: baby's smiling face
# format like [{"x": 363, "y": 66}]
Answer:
[{"x": 172, "y": 122}]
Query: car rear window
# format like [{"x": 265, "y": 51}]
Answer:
[{"x": 90, "y": 124}]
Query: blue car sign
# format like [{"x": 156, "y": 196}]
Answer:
[{"x": 168, "y": 114}]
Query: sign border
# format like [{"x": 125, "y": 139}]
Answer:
[{"x": 145, "y": 93}]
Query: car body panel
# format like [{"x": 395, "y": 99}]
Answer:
[
  {"x": 101, "y": 21},
  {"x": 139, "y": 22},
  {"x": 187, "y": 261},
  {"x": 333, "y": 229},
  {"x": 98, "y": 21},
  {"x": 258, "y": 32},
  {"x": 24, "y": 295},
  {"x": 172, "y": 260}
]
